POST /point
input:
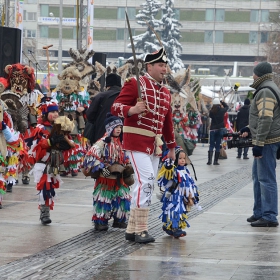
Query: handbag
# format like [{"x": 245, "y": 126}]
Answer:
[
  {"x": 189, "y": 146},
  {"x": 276, "y": 96}
]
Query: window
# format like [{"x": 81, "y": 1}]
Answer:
[
  {"x": 31, "y": 16},
  {"x": 44, "y": 10},
  {"x": 219, "y": 36},
  {"x": 121, "y": 33},
  {"x": 130, "y": 12},
  {"x": 209, "y": 15},
  {"x": 177, "y": 14},
  {"x": 31, "y": 33},
  {"x": 69, "y": 12},
  {"x": 220, "y": 15},
  {"x": 264, "y": 37},
  {"x": 75, "y": 33},
  {"x": 54, "y": 10},
  {"x": 254, "y": 17},
  {"x": 253, "y": 37},
  {"x": 67, "y": 33},
  {"x": 265, "y": 16},
  {"x": 53, "y": 32},
  {"x": 208, "y": 37},
  {"x": 44, "y": 31}
]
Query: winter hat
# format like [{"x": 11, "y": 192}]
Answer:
[
  {"x": 247, "y": 101},
  {"x": 178, "y": 150},
  {"x": 111, "y": 122},
  {"x": 216, "y": 101},
  {"x": 113, "y": 80},
  {"x": 263, "y": 68},
  {"x": 158, "y": 56},
  {"x": 48, "y": 105}
]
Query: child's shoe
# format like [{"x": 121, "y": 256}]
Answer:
[
  {"x": 101, "y": 227},
  {"x": 119, "y": 224},
  {"x": 168, "y": 231},
  {"x": 179, "y": 233}
]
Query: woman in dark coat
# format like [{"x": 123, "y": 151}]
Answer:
[
  {"x": 242, "y": 120},
  {"x": 217, "y": 126}
]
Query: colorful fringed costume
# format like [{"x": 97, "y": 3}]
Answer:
[
  {"x": 73, "y": 103},
  {"x": 22, "y": 97},
  {"x": 111, "y": 196},
  {"x": 10, "y": 146},
  {"x": 47, "y": 143},
  {"x": 179, "y": 195},
  {"x": 40, "y": 157}
]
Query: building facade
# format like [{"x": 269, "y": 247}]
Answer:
[{"x": 214, "y": 33}]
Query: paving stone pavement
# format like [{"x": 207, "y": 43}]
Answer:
[{"x": 220, "y": 244}]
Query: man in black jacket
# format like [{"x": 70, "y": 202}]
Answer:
[
  {"x": 242, "y": 120},
  {"x": 101, "y": 105}
]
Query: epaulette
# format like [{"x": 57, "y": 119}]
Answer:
[{"x": 128, "y": 80}]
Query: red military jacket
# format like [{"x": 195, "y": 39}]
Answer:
[{"x": 141, "y": 132}]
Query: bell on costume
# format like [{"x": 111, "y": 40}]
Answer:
[
  {"x": 81, "y": 122},
  {"x": 75, "y": 130},
  {"x": 62, "y": 168},
  {"x": 32, "y": 119}
]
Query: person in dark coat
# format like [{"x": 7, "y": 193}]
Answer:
[
  {"x": 242, "y": 120},
  {"x": 217, "y": 126},
  {"x": 101, "y": 105}
]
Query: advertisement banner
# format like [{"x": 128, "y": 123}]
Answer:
[
  {"x": 19, "y": 20},
  {"x": 19, "y": 14},
  {"x": 90, "y": 24}
]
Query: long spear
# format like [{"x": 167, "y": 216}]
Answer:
[{"x": 134, "y": 58}]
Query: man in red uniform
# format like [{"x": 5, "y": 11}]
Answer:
[{"x": 146, "y": 120}]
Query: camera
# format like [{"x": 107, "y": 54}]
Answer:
[{"x": 237, "y": 141}]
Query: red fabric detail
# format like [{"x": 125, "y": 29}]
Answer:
[
  {"x": 179, "y": 178},
  {"x": 4, "y": 82},
  {"x": 111, "y": 184},
  {"x": 43, "y": 182},
  {"x": 94, "y": 218},
  {"x": 128, "y": 98},
  {"x": 7, "y": 120}
]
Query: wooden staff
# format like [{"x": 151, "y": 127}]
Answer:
[{"x": 48, "y": 60}]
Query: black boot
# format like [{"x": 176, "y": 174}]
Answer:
[
  {"x": 25, "y": 180},
  {"x": 9, "y": 187},
  {"x": 45, "y": 214},
  {"x": 216, "y": 157},
  {"x": 210, "y": 155}
]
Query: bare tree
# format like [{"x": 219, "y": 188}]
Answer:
[{"x": 272, "y": 47}]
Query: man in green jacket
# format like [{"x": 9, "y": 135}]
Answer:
[{"x": 264, "y": 126}]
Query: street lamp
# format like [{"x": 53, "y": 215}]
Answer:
[
  {"x": 59, "y": 61},
  {"x": 59, "y": 66}
]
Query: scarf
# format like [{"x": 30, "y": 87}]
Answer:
[{"x": 261, "y": 79}]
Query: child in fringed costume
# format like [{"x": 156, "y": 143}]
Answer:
[
  {"x": 10, "y": 145},
  {"x": 106, "y": 161},
  {"x": 47, "y": 144},
  {"x": 179, "y": 194}
]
